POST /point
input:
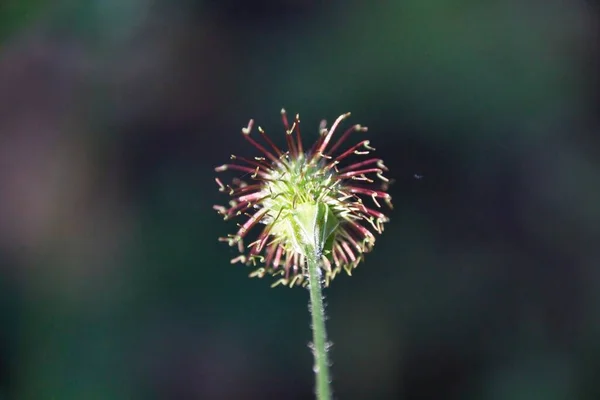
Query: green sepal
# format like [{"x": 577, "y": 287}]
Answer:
[{"x": 314, "y": 227}]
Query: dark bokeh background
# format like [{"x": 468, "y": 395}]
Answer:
[{"x": 113, "y": 114}]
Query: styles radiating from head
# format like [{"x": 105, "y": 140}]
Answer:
[{"x": 338, "y": 190}]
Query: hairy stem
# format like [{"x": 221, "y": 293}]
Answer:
[{"x": 317, "y": 310}]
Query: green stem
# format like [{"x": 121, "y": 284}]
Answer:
[{"x": 317, "y": 310}]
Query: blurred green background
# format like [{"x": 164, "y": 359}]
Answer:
[{"x": 113, "y": 114}]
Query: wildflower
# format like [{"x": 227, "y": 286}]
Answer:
[{"x": 293, "y": 192}]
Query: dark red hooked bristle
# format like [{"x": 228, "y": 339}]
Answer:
[
  {"x": 342, "y": 139},
  {"x": 244, "y": 203},
  {"x": 288, "y": 264},
  {"x": 374, "y": 213},
  {"x": 298, "y": 137},
  {"x": 267, "y": 153},
  {"x": 361, "y": 230},
  {"x": 288, "y": 134},
  {"x": 240, "y": 207},
  {"x": 253, "y": 249},
  {"x": 317, "y": 144},
  {"x": 336, "y": 260},
  {"x": 351, "y": 150},
  {"x": 374, "y": 194},
  {"x": 349, "y": 251},
  {"x": 367, "y": 192},
  {"x": 244, "y": 189},
  {"x": 260, "y": 165},
  {"x": 291, "y": 144},
  {"x": 241, "y": 168},
  {"x": 294, "y": 145},
  {"x": 359, "y": 172},
  {"x": 341, "y": 253},
  {"x": 253, "y": 197},
  {"x": 347, "y": 236},
  {"x": 246, "y": 133},
  {"x": 277, "y": 258},
  {"x": 270, "y": 253},
  {"x": 258, "y": 245},
  {"x": 262, "y": 239},
  {"x": 326, "y": 264},
  {"x": 284, "y": 119},
  {"x": 267, "y": 139},
  {"x": 330, "y": 133},
  {"x": 253, "y": 220},
  {"x": 362, "y": 164}
]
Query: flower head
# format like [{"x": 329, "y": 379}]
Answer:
[{"x": 305, "y": 196}]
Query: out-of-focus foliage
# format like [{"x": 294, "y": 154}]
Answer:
[
  {"x": 113, "y": 115},
  {"x": 17, "y": 14}
]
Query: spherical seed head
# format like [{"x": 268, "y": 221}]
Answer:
[{"x": 310, "y": 200}]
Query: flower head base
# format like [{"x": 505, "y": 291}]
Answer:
[{"x": 307, "y": 201}]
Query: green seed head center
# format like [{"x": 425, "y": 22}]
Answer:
[{"x": 293, "y": 191}]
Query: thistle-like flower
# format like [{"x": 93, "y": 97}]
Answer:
[{"x": 307, "y": 200}]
